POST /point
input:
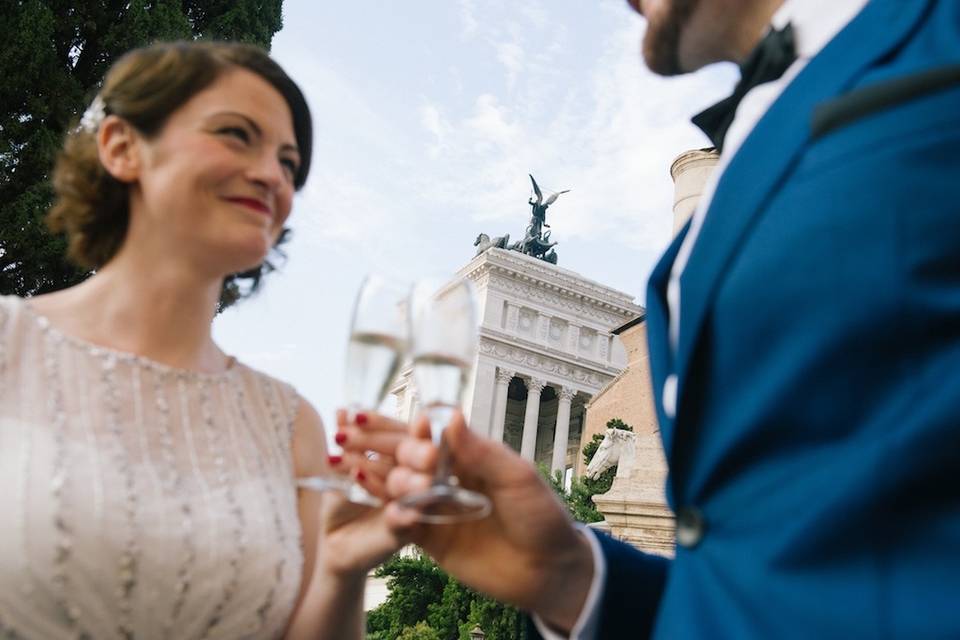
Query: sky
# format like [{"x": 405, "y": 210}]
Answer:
[{"x": 428, "y": 116}]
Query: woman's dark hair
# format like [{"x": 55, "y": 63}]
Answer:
[{"x": 144, "y": 87}]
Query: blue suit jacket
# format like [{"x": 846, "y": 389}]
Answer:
[{"x": 818, "y": 419}]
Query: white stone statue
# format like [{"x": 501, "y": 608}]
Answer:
[{"x": 618, "y": 447}]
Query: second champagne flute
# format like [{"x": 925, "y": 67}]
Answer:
[{"x": 443, "y": 343}]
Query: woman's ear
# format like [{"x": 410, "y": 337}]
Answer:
[{"x": 118, "y": 145}]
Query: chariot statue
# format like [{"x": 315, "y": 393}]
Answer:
[{"x": 535, "y": 242}]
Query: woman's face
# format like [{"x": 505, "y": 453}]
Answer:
[{"x": 216, "y": 183}]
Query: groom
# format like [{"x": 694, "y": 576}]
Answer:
[{"x": 804, "y": 334}]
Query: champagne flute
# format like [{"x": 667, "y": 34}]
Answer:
[
  {"x": 378, "y": 336},
  {"x": 443, "y": 343}
]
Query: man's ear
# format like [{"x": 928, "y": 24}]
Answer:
[{"x": 118, "y": 145}]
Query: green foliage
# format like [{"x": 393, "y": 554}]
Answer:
[
  {"x": 579, "y": 499},
  {"x": 423, "y": 600},
  {"x": 419, "y": 631},
  {"x": 414, "y": 584},
  {"x": 54, "y": 55},
  {"x": 497, "y": 620}
]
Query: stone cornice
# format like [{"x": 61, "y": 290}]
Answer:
[
  {"x": 556, "y": 280},
  {"x": 601, "y": 318}
]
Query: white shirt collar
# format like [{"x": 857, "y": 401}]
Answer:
[{"x": 815, "y": 22}]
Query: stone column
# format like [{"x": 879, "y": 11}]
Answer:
[
  {"x": 500, "y": 404},
  {"x": 479, "y": 396},
  {"x": 562, "y": 431},
  {"x": 528, "y": 444}
]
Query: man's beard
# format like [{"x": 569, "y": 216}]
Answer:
[{"x": 661, "y": 43}]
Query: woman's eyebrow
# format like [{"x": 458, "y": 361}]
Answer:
[{"x": 256, "y": 128}]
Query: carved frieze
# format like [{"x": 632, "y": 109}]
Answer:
[{"x": 554, "y": 368}]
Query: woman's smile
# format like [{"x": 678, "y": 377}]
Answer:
[{"x": 254, "y": 204}]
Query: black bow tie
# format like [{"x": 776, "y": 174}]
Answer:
[{"x": 766, "y": 63}]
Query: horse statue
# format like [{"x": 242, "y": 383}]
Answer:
[
  {"x": 483, "y": 242},
  {"x": 618, "y": 448}
]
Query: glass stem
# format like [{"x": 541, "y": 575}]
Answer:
[{"x": 442, "y": 476}]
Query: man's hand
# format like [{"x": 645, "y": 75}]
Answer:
[{"x": 527, "y": 552}]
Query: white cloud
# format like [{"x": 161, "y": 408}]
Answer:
[
  {"x": 434, "y": 122},
  {"x": 468, "y": 19},
  {"x": 490, "y": 125},
  {"x": 511, "y": 56}
]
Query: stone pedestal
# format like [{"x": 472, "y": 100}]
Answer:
[{"x": 636, "y": 508}]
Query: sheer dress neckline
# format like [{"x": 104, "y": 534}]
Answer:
[{"x": 105, "y": 352}]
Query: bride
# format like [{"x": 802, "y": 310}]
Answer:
[{"x": 148, "y": 478}]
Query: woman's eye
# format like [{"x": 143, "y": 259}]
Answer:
[
  {"x": 290, "y": 166},
  {"x": 236, "y": 132}
]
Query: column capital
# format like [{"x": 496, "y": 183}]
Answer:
[
  {"x": 535, "y": 385},
  {"x": 504, "y": 376},
  {"x": 566, "y": 393}
]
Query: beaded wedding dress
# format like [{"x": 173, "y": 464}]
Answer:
[{"x": 138, "y": 500}]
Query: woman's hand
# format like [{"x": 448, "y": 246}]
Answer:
[
  {"x": 357, "y": 537},
  {"x": 342, "y": 541}
]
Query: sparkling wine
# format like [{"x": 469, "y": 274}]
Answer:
[
  {"x": 372, "y": 362},
  {"x": 441, "y": 379}
]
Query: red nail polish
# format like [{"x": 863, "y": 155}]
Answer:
[
  {"x": 361, "y": 476},
  {"x": 360, "y": 419},
  {"x": 340, "y": 438},
  {"x": 335, "y": 459}
]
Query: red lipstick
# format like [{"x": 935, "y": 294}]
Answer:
[{"x": 252, "y": 203}]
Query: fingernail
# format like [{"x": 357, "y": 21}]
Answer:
[
  {"x": 360, "y": 419},
  {"x": 335, "y": 459},
  {"x": 340, "y": 438},
  {"x": 361, "y": 476}
]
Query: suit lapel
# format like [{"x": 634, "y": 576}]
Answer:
[{"x": 769, "y": 152}]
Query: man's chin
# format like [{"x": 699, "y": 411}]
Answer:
[
  {"x": 661, "y": 41},
  {"x": 661, "y": 56}
]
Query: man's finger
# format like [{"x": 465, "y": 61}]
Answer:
[
  {"x": 402, "y": 482},
  {"x": 419, "y": 455}
]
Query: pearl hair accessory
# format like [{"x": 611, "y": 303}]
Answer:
[{"x": 93, "y": 116}]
